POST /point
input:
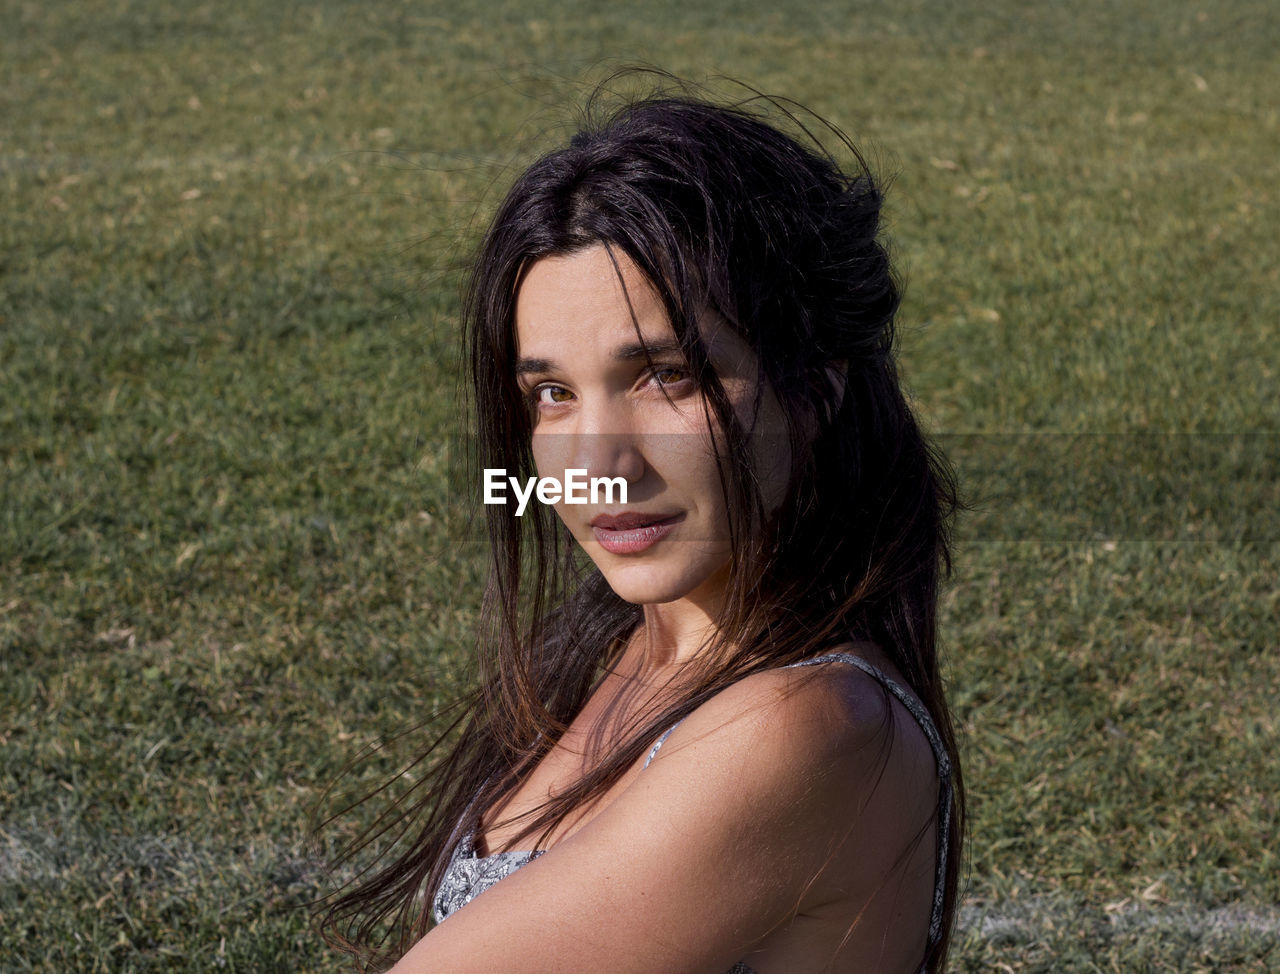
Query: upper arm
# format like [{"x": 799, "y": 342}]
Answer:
[{"x": 716, "y": 843}]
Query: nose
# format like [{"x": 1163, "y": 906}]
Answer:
[
  {"x": 612, "y": 454},
  {"x": 607, "y": 443},
  {"x": 603, "y": 441}
]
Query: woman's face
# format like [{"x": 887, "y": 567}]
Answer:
[{"x": 612, "y": 393}]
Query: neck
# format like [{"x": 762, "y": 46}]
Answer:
[
  {"x": 670, "y": 638},
  {"x": 676, "y": 632}
]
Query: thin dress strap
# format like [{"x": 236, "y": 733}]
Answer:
[
  {"x": 917, "y": 710},
  {"x": 658, "y": 744}
]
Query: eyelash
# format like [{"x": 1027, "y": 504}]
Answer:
[{"x": 535, "y": 394}]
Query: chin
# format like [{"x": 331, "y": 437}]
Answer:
[
  {"x": 640, "y": 588},
  {"x": 655, "y": 581}
]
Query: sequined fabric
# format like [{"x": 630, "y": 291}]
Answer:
[{"x": 470, "y": 875}]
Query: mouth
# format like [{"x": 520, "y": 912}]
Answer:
[{"x": 632, "y": 531}]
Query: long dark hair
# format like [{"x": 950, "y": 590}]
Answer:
[{"x": 724, "y": 212}]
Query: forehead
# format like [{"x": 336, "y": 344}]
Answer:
[
  {"x": 597, "y": 299},
  {"x": 591, "y": 292}
]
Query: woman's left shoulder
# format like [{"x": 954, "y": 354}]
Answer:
[
  {"x": 828, "y": 694},
  {"x": 828, "y": 716}
]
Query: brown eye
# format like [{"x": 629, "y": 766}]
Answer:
[
  {"x": 669, "y": 375},
  {"x": 551, "y": 395}
]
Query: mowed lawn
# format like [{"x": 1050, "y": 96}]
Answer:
[{"x": 233, "y": 542}]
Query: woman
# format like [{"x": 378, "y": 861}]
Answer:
[{"x": 719, "y": 741}]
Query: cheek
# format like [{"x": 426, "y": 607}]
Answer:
[
  {"x": 689, "y": 465},
  {"x": 553, "y": 453},
  {"x": 552, "y": 458}
]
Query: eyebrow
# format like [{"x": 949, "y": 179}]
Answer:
[{"x": 623, "y": 353}]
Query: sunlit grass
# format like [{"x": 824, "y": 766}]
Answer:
[{"x": 229, "y": 555}]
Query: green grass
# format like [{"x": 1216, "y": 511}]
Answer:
[{"x": 229, "y": 555}]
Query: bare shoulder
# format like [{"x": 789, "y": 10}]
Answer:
[
  {"x": 818, "y": 767},
  {"x": 781, "y": 800},
  {"x": 825, "y": 715}
]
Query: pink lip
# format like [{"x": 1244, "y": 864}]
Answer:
[{"x": 628, "y": 533}]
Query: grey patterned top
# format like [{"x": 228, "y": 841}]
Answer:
[{"x": 468, "y": 874}]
